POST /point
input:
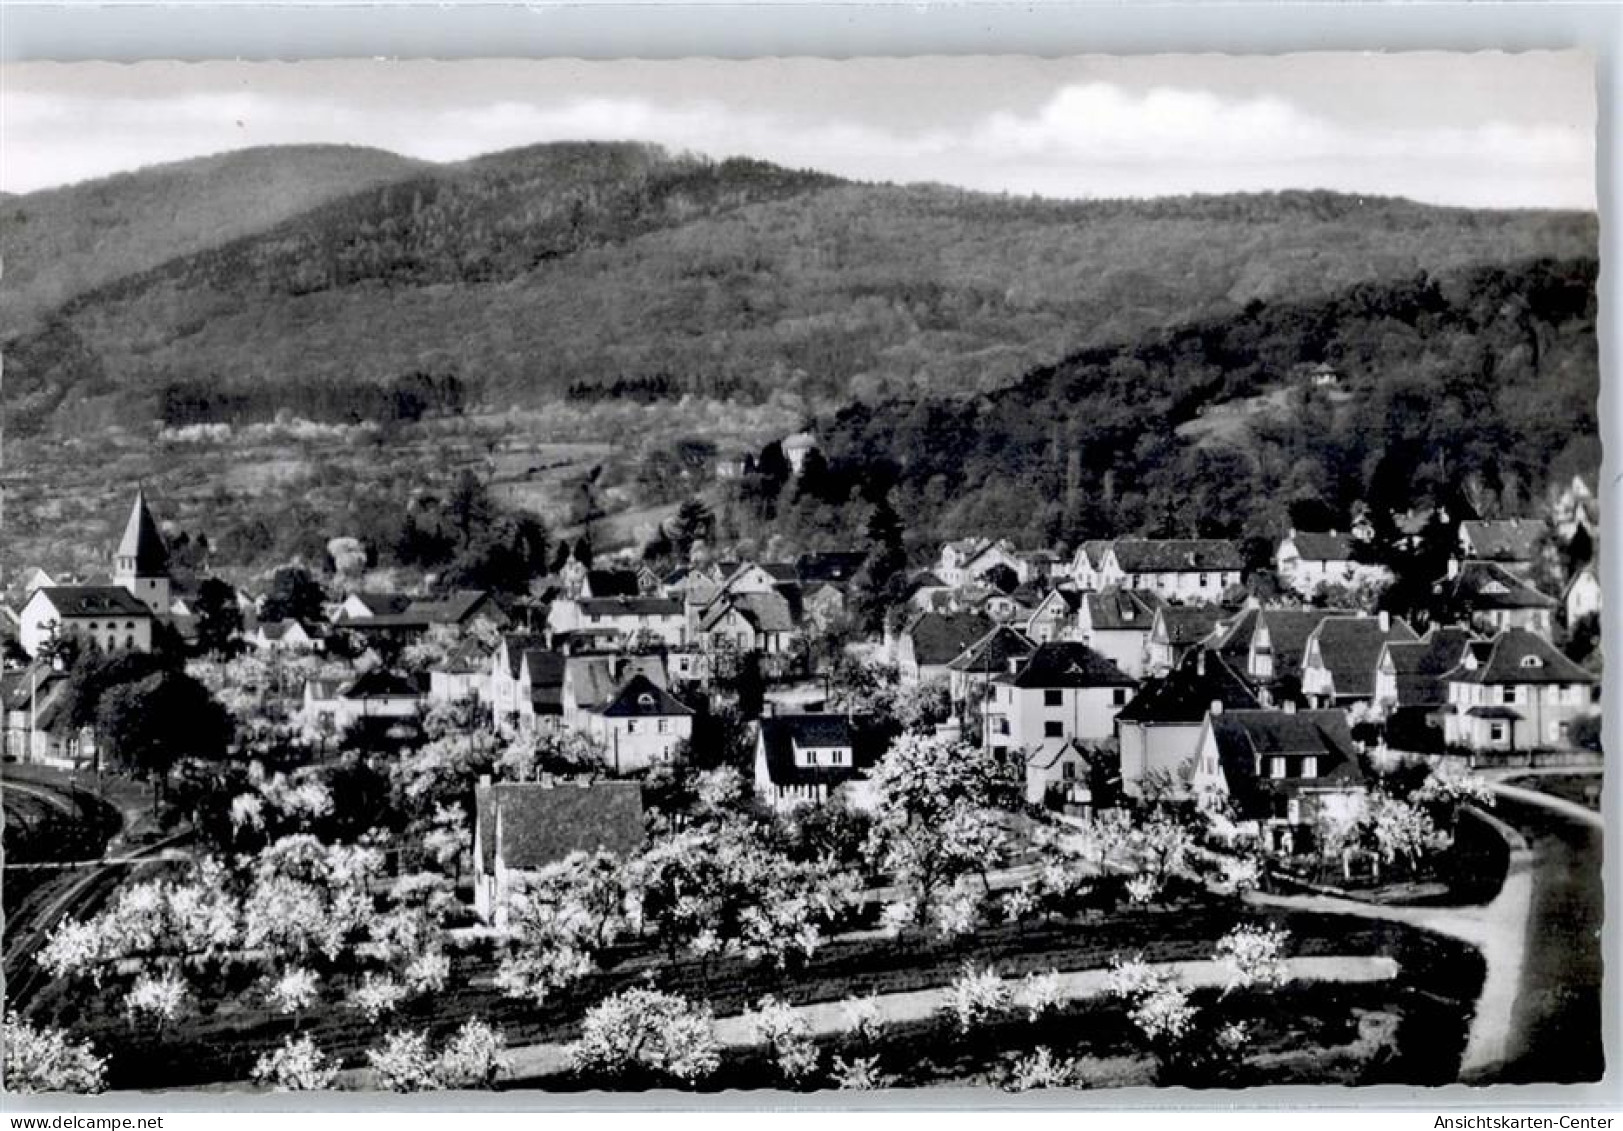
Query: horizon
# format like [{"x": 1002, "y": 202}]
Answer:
[{"x": 1487, "y": 130}]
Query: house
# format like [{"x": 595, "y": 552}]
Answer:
[
  {"x": 521, "y": 827},
  {"x": 823, "y": 604},
  {"x": 639, "y": 726},
  {"x": 539, "y": 702},
  {"x": 927, "y": 592},
  {"x": 1054, "y": 618},
  {"x": 1063, "y": 690},
  {"x": 697, "y": 585},
  {"x": 1274, "y": 642},
  {"x": 372, "y": 695},
  {"x": 591, "y": 683},
  {"x": 1041, "y": 567},
  {"x": 1087, "y": 565},
  {"x": 970, "y": 672},
  {"x": 1342, "y": 653},
  {"x": 1116, "y": 623},
  {"x": 284, "y": 636},
  {"x": 1576, "y": 508},
  {"x": 365, "y": 606},
  {"x": 1582, "y": 597},
  {"x": 1178, "y": 569},
  {"x": 968, "y": 559},
  {"x": 1308, "y": 562},
  {"x": 760, "y": 577},
  {"x": 505, "y": 694},
  {"x": 931, "y": 641},
  {"x": 460, "y": 611},
  {"x": 1511, "y": 542},
  {"x": 1159, "y": 732},
  {"x": 463, "y": 676},
  {"x": 609, "y": 583},
  {"x": 1409, "y": 687},
  {"x": 1515, "y": 692},
  {"x": 803, "y": 759},
  {"x": 141, "y": 562},
  {"x": 1289, "y": 773},
  {"x": 34, "y": 724},
  {"x": 1177, "y": 629},
  {"x": 768, "y": 622},
  {"x": 619, "y": 622},
  {"x": 1492, "y": 598},
  {"x": 1059, "y": 772},
  {"x": 108, "y": 616}
]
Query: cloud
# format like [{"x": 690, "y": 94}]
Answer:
[{"x": 1086, "y": 139}]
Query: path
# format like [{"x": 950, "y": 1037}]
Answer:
[{"x": 827, "y": 1019}]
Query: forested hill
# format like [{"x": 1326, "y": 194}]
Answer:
[
  {"x": 62, "y": 242},
  {"x": 1479, "y": 383},
  {"x": 561, "y": 270}
]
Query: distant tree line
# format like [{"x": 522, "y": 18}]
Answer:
[{"x": 405, "y": 399}]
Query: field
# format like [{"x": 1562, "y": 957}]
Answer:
[{"x": 222, "y": 1041}]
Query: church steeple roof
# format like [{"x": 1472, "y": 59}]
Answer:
[{"x": 142, "y": 543}]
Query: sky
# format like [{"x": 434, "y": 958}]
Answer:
[{"x": 1481, "y": 130}]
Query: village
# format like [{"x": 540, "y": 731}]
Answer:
[{"x": 708, "y": 804}]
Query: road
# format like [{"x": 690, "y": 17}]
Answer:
[{"x": 1538, "y": 1017}]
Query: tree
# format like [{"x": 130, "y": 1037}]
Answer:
[
  {"x": 693, "y": 522},
  {"x": 48, "y": 1060},
  {"x": 219, "y": 617},
  {"x": 297, "y": 1066},
  {"x": 293, "y": 595},
  {"x": 787, "y": 1036},
  {"x": 150, "y": 724},
  {"x": 647, "y": 1037}
]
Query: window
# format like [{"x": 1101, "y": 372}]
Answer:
[
  {"x": 837, "y": 758},
  {"x": 663, "y": 726},
  {"x": 1203, "y": 581},
  {"x": 811, "y": 757},
  {"x": 1068, "y": 771},
  {"x": 1003, "y": 726},
  {"x": 1053, "y": 698},
  {"x": 1276, "y": 768},
  {"x": 129, "y": 641},
  {"x": 1118, "y": 697},
  {"x": 1561, "y": 732},
  {"x": 646, "y": 699},
  {"x": 1508, "y": 693},
  {"x": 1053, "y": 729},
  {"x": 1310, "y": 767},
  {"x": 1497, "y": 732},
  {"x": 631, "y": 726}
]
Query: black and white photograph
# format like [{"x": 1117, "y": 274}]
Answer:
[{"x": 801, "y": 575}]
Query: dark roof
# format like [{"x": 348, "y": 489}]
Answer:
[
  {"x": 1502, "y": 540},
  {"x": 1122, "y": 609},
  {"x": 17, "y": 687},
  {"x": 992, "y": 652},
  {"x": 541, "y": 824},
  {"x": 1350, "y": 647},
  {"x": 1488, "y": 585},
  {"x": 1246, "y": 738},
  {"x": 1418, "y": 666},
  {"x": 780, "y": 734},
  {"x": 631, "y": 606},
  {"x": 383, "y": 604},
  {"x": 596, "y": 680},
  {"x": 1174, "y": 555},
  {"x": 1190, "y": 624},
  {"x": 455, "y": 607},
  {"x": 1288, "y": 630},
  {"x": 1517, "y": 656},
  {"x": 939, "y": 638},
  {"x": 1327, "y": 547},
  {"x": 1506, "y": 713},
  {"x": 1071, "y": 599},
  {"x": 94, "y": 601},
  {"x": 514, "y": 644},
  {"x": 1186, "y": 693},
  {"x": 641, "y": 698},
  {"x": 766, "y": 612},
  {"x": 381, "y": 684},
  {"x": 546, "y": 679},
  {"x": 1234, "y": 643},
  {"x": 829, "y": 565},
  {"x": 142, "y": 540},
  {"x": 1068, "y": 664},
  {"x": 612, "y": 582},
  {"x": 783, "y": 572}
]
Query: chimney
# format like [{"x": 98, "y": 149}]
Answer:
[
  {"x": 1386, "y": 622},
  {"x": 1290, "y": 706},
  {"x": 1217, "y": 707},
  {"x": 484, "y": 779},
  {"x": 1200, "y": 662}
]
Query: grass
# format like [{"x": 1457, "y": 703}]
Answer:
[{"x": 222, "y": 1041}]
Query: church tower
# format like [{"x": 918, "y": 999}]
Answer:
[{"x": 142, "y": 562}]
